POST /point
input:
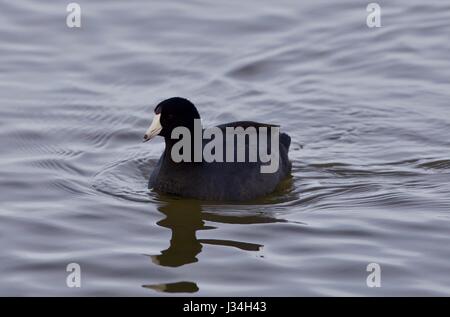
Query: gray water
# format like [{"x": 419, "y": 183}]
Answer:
[{"x": 367, "y": 109}]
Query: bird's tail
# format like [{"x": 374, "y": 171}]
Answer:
[{"x": 285, "y": 140}]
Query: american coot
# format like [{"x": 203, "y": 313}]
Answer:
[{"x": 227, "y": 179}]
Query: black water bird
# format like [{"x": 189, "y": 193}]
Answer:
[{"x": 226, "y": 180}]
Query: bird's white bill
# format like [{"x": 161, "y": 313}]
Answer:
[{"x": 154, "y": 128}]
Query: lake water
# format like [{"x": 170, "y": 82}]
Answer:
[{"x": 367, "y": 109}]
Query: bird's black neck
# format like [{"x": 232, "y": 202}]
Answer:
[{"x": 170, "y": 143}]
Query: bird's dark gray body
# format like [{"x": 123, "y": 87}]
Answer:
[{"x": 221, "y": 181}]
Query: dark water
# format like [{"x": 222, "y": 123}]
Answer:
[{"x": 367, "y": 109}]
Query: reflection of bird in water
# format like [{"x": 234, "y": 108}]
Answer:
[
  {"x": 177, "y": 287},
  {"x": 184, "y": 218}
]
